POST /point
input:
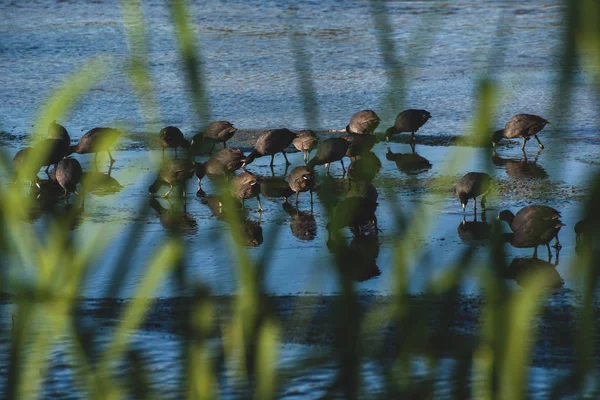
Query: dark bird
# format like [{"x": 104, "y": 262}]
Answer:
[
  {"x": 57, "y": 131},
  {"x": 22, "y": 166},
  {"x": 521, "y": 268},
  {"x": 582, "y": 229},
  {"x": 408, "y": 121},
  {"x": 49, "y": 152},
  {"x": 221, "y": 165},
  {"x": 329, "y": 151},
  {"x": 471, "y": 231},
  {"x": 521, "y": 126},
  {"x": 305, "y": 142},
  {"x": 533, "y": 226},
  {"x": 302, "y": 179},
  {"x": 68, "y": 174},
  {"x": 365, "y": 168},
  {"x": 246, "y": 186},
  {"x": 365, "y": 121},
  {"x": 172, "y": 137},
  {"x": 408, "y": 162},
  {"x": 520, "y": 168},
  {"x": 271, "y": 143},
  {"x": 231, "y": 158},
  {"x": 96, "y": 140},
  {"x": 275, "y": 187},
  {"x": 174, "y": 219},
  {"x": 217, "y": 132},
  {"x": 173, "y": 173},
  {"x": 359, "y": 144},
  {"x": 471, "y": 186},
  {"x": 302, "y": 223}
]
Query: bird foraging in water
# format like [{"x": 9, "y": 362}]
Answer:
[
  {"x": 217, "y": 132},
  {"x": 302, "y": 179},
  {"x": 57, "y": 131},
  {"x": 365, "y": 121},
  {"x": 246, "y": 186},
  {"x": 305, "y": 142},
  {"x": 68, "y": 174},
  {"x": 96, "y": 140},
  {"x": 359, "y": 144},
  {"x": 49, "y": 152},
  {"x": 173, "y": 173},
  {"x": 171, "y": 137},
  {"x": 471, "y": 186},
  {"x": 270, "y": 143},
  {"x": 329, "y": 151},
  {"x": 533, "y": 226},
  {"x": 408, "y": 121},
  {"x": 521, "y": 126}
]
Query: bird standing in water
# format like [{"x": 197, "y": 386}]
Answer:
[
  {"x": 96, "y": 140},
  {"x": 471, "y": 186},
  {"x": 408, "y": 121},
  {"x": 302, "y": 179},
  {"x": 271, "y": 143},
  {"x": 217, "y": 132},
  {"x": 521, "y": 126},
  {"x": 329, "y": 151},
  {"x": 171, "y": 137},
  {"x": 305, "y": 142},
  {"x": 365, "y": 121}
]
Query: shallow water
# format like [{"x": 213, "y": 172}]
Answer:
[{"x": 247, "y": 48}]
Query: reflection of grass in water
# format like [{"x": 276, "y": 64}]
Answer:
[{"x": 498, "y": 360}]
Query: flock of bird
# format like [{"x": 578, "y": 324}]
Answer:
[{"x": 531, "y": 227}]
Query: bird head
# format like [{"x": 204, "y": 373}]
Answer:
[{"x": 497, "y": 136}]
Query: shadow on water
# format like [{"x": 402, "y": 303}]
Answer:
[
  {"x": 302, "y": 223},
  {"x": 521, "y": 167},
  {"x": 174, "y": 218},
  {"x": 521, "y": 268},
  {"x": 474, "y": 231},
  {"x": 409, "y": 163},
  {"x": 358, "y": 259}
]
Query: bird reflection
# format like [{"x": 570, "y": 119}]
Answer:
[
  {"x": 358, "y": 259},
  {"x": 302, "y": 223},
  {"x": 356, "y": 211},
  {"x": 470, "y": 231},
  {"x": 101, "y": 184},
  {"x": 365, "y": 168},
  {"x": 46, "y": 202},
  {"x": 409, "y": 162},
  {"x": 174, "y": 218},
  {"x": 274, "y": 187},
  {"x": 523, "y": 168},
  {"x": 522, "y": 267}
]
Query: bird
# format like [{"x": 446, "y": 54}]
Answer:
[
  {"x": 582, "y": 228},
  {"x": 246, "y": 186},
  {"x": 173, "y": 173},
  {"x": 22, "y": 166},
  {"x": 57, "y": 131},
  {"x": 521, "y": 126},
  {"x": 172, "y": 137},
  {"x": 330, "y": 150},
  {"x": 270, "y": 143},
  {"x": 365, "y": 168},
  {"x": 49, "y": 152},
  {"x": 68, "y": 174},
  {"x": 275, "y": 187},
  {"x": 305, "y": 142},
  {"x": 217, "y": 132},
  {"x": 96, "y": 140},
  {"x": 408, "y": 162},
  {"x": 222, "y": 164},
  {"x": 533, "y": 226},
  {"x": 471, "y": 186},
  {"x": 302, "y": 179},
  {"x": 200, "y": 171},
  {"x": 408, "y": 121},
  {"x": 230, "y": 157},
  {"x": 365, "y": 121},
  {"x": 359, "y": 144}
]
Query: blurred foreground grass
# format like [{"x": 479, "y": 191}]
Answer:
[{"x": 496, "y": 366}]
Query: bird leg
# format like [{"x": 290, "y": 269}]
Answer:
[
  {"x": 538, "y": 140},
  {"x": 557, "y": 244},
  {"x": 175, "y": 152},
  {"x": 166, "y": 195},
  {"x": 549, "y": 252},
  {"x": 47, "y": 169},
  {"x": 343, "y": 168},
  {"x": 163, "y": 153},
  {"x": 200, "y": 192},
  {"x": 112, "y": 160},
  {"x": 297, "y": 194},
  {"x": 474, "y": 204},
  {"x": 213, "y": 146},
  {"x": 412, "y": 136},
  {"x": 287, "y": 162},
  {"x": 412, "y": 147},
  {"x": 535, "y": 252},
  {"x": 311, "y": 200},
  {"x": 272, "y": 160},
  {"x": 525, "y": 139},
  {"x": 483, "y": 202},
  {"x": 259, "y": 205},
  {"x": 305, "y": 157},
  {"x": 225, "y": 144},
  {"x": 327, "y": 169}
]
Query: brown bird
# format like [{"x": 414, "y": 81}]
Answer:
[
  {"x": 329, "y": 151},
  {"x": 246, "y": 186},
  {"x": 49, "y": 152},
  {"x": 365, "y": 121},
  {"x": 359, "y": 144},
  {"x": 533, "y": 226},
  {"x": 302, "y": 179},
  {"x": 521, "y": 126},
  {"x": 57, "y": 131},
  {"x": 172, "y": 137},
  {"x": 305, "y": 142},
  {"x": 271, "y": 143},
  {"x": 471, "y": 186},
  {"x": 22, "y": 167},
  {"x": 408, "y": 121},
  {"x": 96, "y": 140},
  {"x": 217, "y": 132},
  {"x": 173, "y": 173},
  {"x": 68, "y": 174}
]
